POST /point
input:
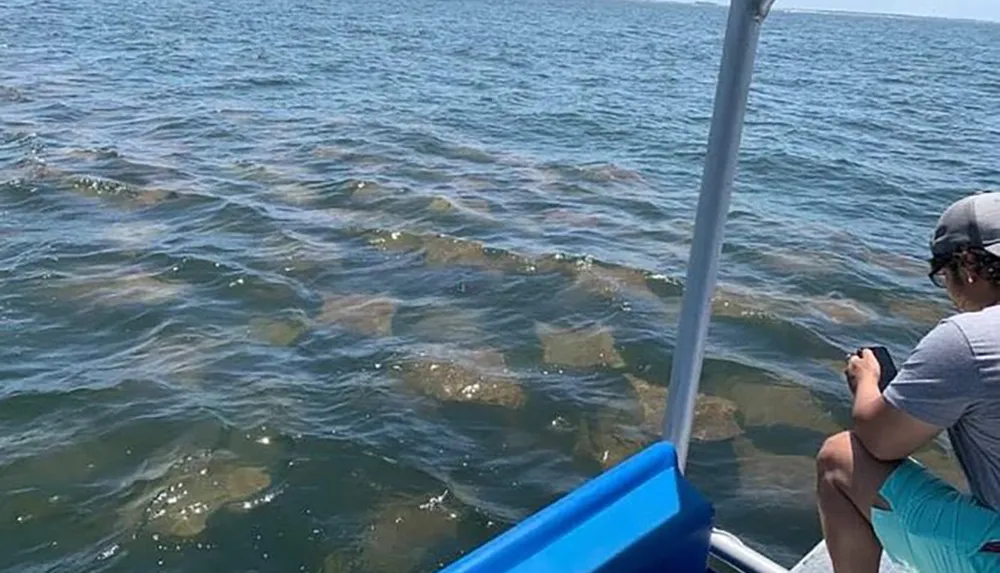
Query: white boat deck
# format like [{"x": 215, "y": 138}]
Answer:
[{"x": 818, "y": 561}]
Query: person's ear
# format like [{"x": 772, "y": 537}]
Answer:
[{"x": 970, "y": 274}]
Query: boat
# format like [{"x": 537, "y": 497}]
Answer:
[{"x": 642, "y": 515}]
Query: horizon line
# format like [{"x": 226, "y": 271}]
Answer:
[{"x": 834, "y": 11}]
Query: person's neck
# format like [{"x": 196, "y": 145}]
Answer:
[{"x": 990, "y": 301}]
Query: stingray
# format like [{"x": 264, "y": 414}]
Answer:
[
  {"x": 469, "y": 376},
  {"x": 441, "y": 204},
  {"x": 402, "y": 533},
  {"x": 441, "y": 250},
  {"x": 610, "y": 282},
  {"x": 180, "y": 503},
  {"x": 133, "y": 288},
  {"x": 570, "y": 218},
  {"x": 278, "y": 331},
  {"x": 775, "y": 479},
  {"x": 134, "y": 235},
  {"x": 841, "y": 311},
  {"x": 613, "y": 435},
  {"x": 769, "y": 404},
  {"x": 396, "y": 241},
  {"x": 924, "y": 313},
  {"x": 448, "y": 324},
  {"x": 109, "y": 188},
  {"x": 731, "y": 303},
  {"x": 714, "y": 417},
  {"x": 366, "y": 190},
  {"x": 365, "y": 314},
  {"x": 795, "y": 261},
  {"x": 578, "y": 347},
  {"x": 182, "y": 357}
]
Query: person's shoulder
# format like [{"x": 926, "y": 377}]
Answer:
[
  {"x": 979, "y": 324},
  {"x": 946, "y": 345},
  {"x": 980, "y": 329}
]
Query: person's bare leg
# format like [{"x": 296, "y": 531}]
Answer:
[{"x": 847, "y": 482}]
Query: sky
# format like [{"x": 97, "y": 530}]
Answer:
[{"x": 971, "y": 9}]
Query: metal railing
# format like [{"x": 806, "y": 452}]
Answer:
[
  {"x": 729, "y": 549},
  {"x": 735, "y": 72}
]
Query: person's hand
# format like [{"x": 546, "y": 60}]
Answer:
[{"x": 861, "y": 367}]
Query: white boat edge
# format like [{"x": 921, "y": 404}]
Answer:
[{"x": 818, "y": 561}]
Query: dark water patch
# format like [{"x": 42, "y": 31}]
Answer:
[
  {"x": 12, "y": 94},
  {"x": 788, "y": 439},
  {"x": 205, "y": 216},
  {"x": 17, "y": 139},
  {"x": 263, "y": 81},
  {"x": 172, "y": 127},
  {"x": 29, "y": 449},
  {"x": 230, "y": 282},
  {"x": 378, "y": 530},
  {"x": 784, "y": 484},
  {"x": 58, "y": 112},
  {"x": 422, "y": 175}
]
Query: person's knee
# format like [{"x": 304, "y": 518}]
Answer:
[
  {"x": 845, "y": 469},
  {"x": 833, "y": 468},
  {"x": 833, "y": 462}
]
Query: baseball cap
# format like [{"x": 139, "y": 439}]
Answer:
[{"x": 972, "y": 221}]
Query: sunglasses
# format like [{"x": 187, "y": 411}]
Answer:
[{"x": 939, "y": 265}]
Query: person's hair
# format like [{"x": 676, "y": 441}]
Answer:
[{"x": 986, "y": 264}]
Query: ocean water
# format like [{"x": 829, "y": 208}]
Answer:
[{"x": 356, "y": 286}]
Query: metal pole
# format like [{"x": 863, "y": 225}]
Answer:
[{"x": 735, "y": 72}]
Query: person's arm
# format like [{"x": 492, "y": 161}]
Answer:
[{"x": 930, "y": 393}]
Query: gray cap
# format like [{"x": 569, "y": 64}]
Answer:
[{"x": 973, "y": 221}]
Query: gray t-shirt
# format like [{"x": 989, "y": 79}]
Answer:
[{"x": 952, "y": 380}]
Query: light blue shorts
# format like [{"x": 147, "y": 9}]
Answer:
[{"x": 934, "y": 528}]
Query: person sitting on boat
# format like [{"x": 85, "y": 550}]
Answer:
[{"x": 871, "y": 494}]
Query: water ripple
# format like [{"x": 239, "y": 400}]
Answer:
[{"x": 228, "y": 230}]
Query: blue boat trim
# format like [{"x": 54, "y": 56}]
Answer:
[{"x": 641, "y": 515}]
